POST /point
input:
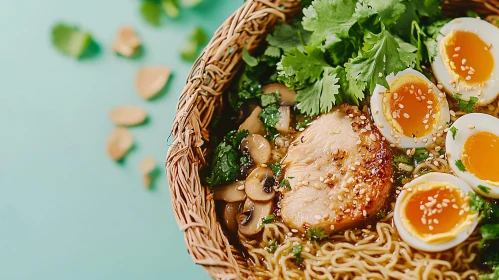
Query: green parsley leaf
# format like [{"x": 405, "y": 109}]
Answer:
[
  {"x": 325, "y": 17},
  {"x": 269, "y": 98},
  {"x": 151, "y": 12},
  {"x": 460, "y": 165},
  {"x": 272, "y": 246},
  {"x": 319, "y": 97},
  {"x": 316, "y": 234},
  {"x": 70, "y": 40},
  {"x": 285, "y": 184},
  {"x": 484, "y": 188},
  {"x": 276, "y": 168},
  {"x": 191, "y": 48},
  {"x": 170, "y": 7},
  {"x": 465, "y": 106},
  {"x": 453, "y": 130},
  {"x": 250, "y": 60},
  {"x": 381, "y": 56},
  {"x": 268, "y": 219},
  {"x": 225, "y": 165},
  {"x": 297, "y": 252}
]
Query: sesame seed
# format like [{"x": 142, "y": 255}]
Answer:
[
  {"x": 452, "y": 113},
  {"x": 380, "y": 74},
  {"x": 430, "y": 227},
  {"x": 240, "y": 188},
  {"x": 440, "y": 86},
  {"x": 435, "y": 221},
  {"x": 395, "y": 95},
  {"x": 318, "y": 217},
  {"x": 423, "y": 220},
  {"x": 425, "y": 140},
  {"x": 471, "y": 126},
  {"x": 462, "y": 68},
  {"x": 401, "y": 106},
  {"x": 372, "y": 137},
  {"x": 457, "y": 49},
  {"x": 463, "y": 61},
  {"x": 468, "y": 78},
  {"x": 289, "y": 233},
  {"x": 406, "y": 115},
  {"x": 455, "y": 55},
  {"x": 461, "y": 212},
  {"x": 419, "y": 91},
  {"x": 364, "y": 213},
  {"x": 363, "y": 117},
  {"x": 485, "y": 48}
]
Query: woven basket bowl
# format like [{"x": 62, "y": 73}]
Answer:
[{"x": 210, "y": 76}]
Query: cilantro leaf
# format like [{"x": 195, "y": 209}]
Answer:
[
  {"x": 430, "y": 42},
  {"x": 325, "y": 17},
  {"x": 151, "y": 12},
  {"x": 460, "y": 165},
  {"x": 303, "y": 67},
  {"x": 270, "y": 116},
  {"x": 272, "y": 246},
  {"x": 276, "y": 168},
  {"x": 269, "y": 98},
  {"x": 465, "y": 106},
  {"x": 316, "y": 234},
  {"x": 224, "y": 167},
  {"x": 453, "y": 130},
  {"x": 484, "y": 188},
  {"x": 196, "y": 40},
  {"x": 297, "y": 252},
  {"x": 414, "y": 11},
  {"x": 421, "y": 154},
  {"x": 273, "y": 52},
  {"x": 389, "y": 11},
  {"x": 319, "y": 97},
  {"x": 289, "y": 36},
  {"x": 381, "y": 56},
  {"x": 268, "y": 219},
  {"x": 70, "y": 40},
  {"x": 285, "y": 184},
  {"x": 490, "y": 231},
  {"x": 349, "y": 90},
  {"x": 250, "y": 60},
  {"x": 382, "y": 214}
]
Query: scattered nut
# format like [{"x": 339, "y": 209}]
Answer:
[
  {"x": 126, "y": 42},
  {"x": 128, "y": 115},
  {"x": 151, "y": 80},
  {"x": 146, "y": 167},
  {"x": 119, "y": 143}
]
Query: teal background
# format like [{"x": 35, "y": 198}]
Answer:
[{"x": 66, "y": 210}]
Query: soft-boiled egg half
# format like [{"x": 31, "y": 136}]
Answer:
[
  {"x": 473, "y": 152},
  {"x": 467, "y": 60},
  {"x": 432, "y": 213},
  {"x": 411, "y": 111}
]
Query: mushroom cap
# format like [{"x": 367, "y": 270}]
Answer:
[
  {"x": 232, "y": 192},
  {"x": 260, "y": 184},
  {"x": 258, "y": 148},
  {"x": 253, "y": 124},
  {"x": 250, "y": 217},
  {"x": 230, "y": 215},
  {"x": 288, "y": 96}
]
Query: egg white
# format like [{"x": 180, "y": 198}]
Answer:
[
  {"x": 414, "y": 241},
  {"x": 386, "y": 128},
  {"x": 454, "y": 147},
  {"x": 487, "y": 33}
]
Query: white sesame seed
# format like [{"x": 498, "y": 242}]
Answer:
[
  {"x": 380, "y": 74},
  {"x": 430, "y": 227},
  {"x": 290, "y": 234},
  {"x": 240, "y": 188},
  {"x": 471, "y": 126},
  {"x": 364, "y": 213},
  {"x": 468, "y": 78},
  {"x": 461, "y": 212},
  {"x": 455, "y": 55},
  {"x": 463, "y": 61},
  {"x": 457, "y": 49},
  {"x": 318, "y": 217},
  {"x": 406, "y": 115},
  {"x": 440, "y": 86},
  {"x": 423, "y": 220}
]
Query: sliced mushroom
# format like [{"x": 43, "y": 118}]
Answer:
[
  {"x": 250, "y": 217},
  {"x": 258, "y": 148},
  {"x": 287, "y": 95},
  {"x": 284, "y": 120},
  {"x": 230, "y": 215},
  {"x": 253, "y": 123},
  {"x": 260, "y": 184},
  {"x": 230, "y": 192}
]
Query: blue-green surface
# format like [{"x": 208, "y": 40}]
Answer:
[{"x": 66, "y": 210}]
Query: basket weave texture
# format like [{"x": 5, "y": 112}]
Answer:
[{"x": 209, "y": 77}]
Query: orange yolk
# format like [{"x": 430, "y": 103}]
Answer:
[
  {"x": 413, "y": 106},
  {"x": 470, "y": 57},
  {"x": 481, "y": 156},
  {"x": 437, "y": 210}
]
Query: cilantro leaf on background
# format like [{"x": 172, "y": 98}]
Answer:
[
  {"x": 191, "y": 48},
  {"x": 465, "y": 106},
  {"x": 70, "y": 40},
  {"x": 288, "y": 36},
  {"x": 320, "y": 96},
  {"x": 325, "y": 17},
  {"x": 316, "y": 234},
  {"x": 414, "y": 11},
  {"x": 171, "y": 8},
  {"x": 453, "y": 130},
  {"x": 350, "y": 91},
  {"x": 250, "y": 60},
  {"x": 303, "y": 67},
  {"x": 381, "y": 56},
  {"x": 151, "y": 12}
]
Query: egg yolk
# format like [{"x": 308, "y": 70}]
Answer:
[
  {"x": 436, "y": 210},
  {"x": 481, "y": 156},
  {"x": 413, "y": 105},
  {"x": 469, "y": 56}
]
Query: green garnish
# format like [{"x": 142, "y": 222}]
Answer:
[
  {"x": 460, "y": 165},
  {"x": 297, "y": 252},
  {"x": 285, "y": 184},
  {"x": 191, "y": 3},
  {"x": 250, "y": 60},
  {"x": 484, "y": 188},
  {"x": 382, "y": 213},
  {"x": 453, "y": 130},
  {"x": 171, "y": 8},
  {"x": 270, "y": 116},
  {"x": 316, "y": 234},
  {"x": 465, "y": 106},
  {"x": 272, "y": 246},
  {"x": 270, "y": 98},
  {"x": 70, "y": 40},
  {"x": 268, "y": 219},
  {"x": 151, "y": 12},
  {"x": 421, "y": 154},
  {"x": 276, "y": 168},
  {"x": 191, "y": 48}
]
